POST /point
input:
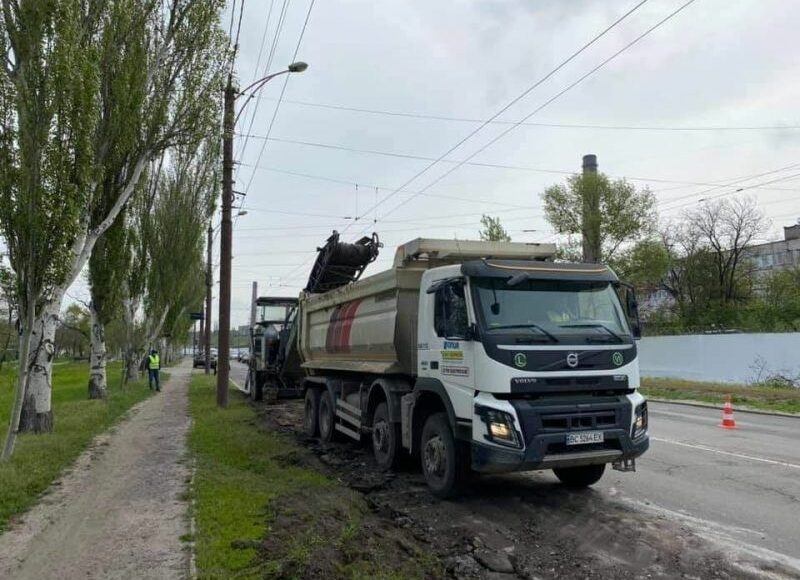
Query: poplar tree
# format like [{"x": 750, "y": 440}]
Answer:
[{"x": 92, "y": 92}]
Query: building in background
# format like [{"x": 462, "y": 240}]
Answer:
[{"x": 774, "y": 256}]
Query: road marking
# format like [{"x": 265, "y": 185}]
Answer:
[{"x": 721, "y": 452}]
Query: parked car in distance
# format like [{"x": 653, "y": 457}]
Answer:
[{"x": 199, "y": 360}]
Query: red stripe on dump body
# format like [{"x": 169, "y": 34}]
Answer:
[{"x": 347, "y": 324}]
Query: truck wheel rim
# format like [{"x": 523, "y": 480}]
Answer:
[
  {"x": 380, "y": 438},
  {"x": 435, "y": 456}
]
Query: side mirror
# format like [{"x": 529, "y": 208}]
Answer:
[{"x": 632, "y": 306}]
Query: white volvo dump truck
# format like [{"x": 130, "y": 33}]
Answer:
[{"x": 475, "y": 356}]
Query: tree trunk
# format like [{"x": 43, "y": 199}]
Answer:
[
  {"x": 37, "y": 412},
  {"x": 98, "y": 381},
  {"x": 22, "y": 379}
]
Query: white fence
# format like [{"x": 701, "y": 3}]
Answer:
[{"x": 733, "y": 358}]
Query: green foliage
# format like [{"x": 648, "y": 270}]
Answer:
[
  {"x": 174, "y": 237},
  {"x": 493, "y": 230},
  {"x": 48, "y": 100},
  {"x": 262, "y": 512},
  {"x": 626, "y": 215},
  {"x": 767, "y": 398},
  {"x": 644, "y": 265},
  {"x": 710, "y": 275},
  {"x": 39, "y": 460},
  {"x": 73, "y": 332}
]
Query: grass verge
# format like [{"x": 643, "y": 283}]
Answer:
[
  {"x": 263, "y": 511},
  {"x": 39, "y": 459},
  {"x": 764, "y": 398}
]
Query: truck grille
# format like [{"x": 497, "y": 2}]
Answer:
[{"x": 575, "y": 422}]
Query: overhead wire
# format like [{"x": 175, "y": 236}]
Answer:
[
  {"x": 257, "y": 67},
  {"x": 454, "y": 161},
  {"x": 277, "y": 107},
  {"x": 553, "y": 98},
  {"x": 424, "y": 116},
  {"x": 514, "y": 101}
]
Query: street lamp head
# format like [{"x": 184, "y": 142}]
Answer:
[
  {"x": 242, "y": 212},
  {"x": 298, "y": 67}
]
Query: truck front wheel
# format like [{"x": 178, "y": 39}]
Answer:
[
  {"x": 579, "y": 477},
  {"x": 443, "y": 461},
  {"x": 385, "y": 438},
  {"x": 311, "y": 416},
  {"x": 327, "y": 418}
]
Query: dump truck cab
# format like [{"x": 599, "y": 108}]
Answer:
[{"x": 538, "y": 363}]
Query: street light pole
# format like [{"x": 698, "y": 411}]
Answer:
[
  {"x": 226, "y": 235},
  {"x": 226, "y": 248}
]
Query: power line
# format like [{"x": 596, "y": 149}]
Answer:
[
  {"x": 550, "y": 125},
  {"x": 280, "y": 98},
  {"x": 258, "y": 64},
  {"x": 745, "y": 188},
  {"x": 454, "y": 161},
  {"x": 730, "y": 183},
  {"x": 556, "y": 96},
  {"x": 514, "y": 101},
  {"x": 270, "y": 56}
]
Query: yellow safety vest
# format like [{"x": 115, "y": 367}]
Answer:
[{"x": 154, "y": 362}]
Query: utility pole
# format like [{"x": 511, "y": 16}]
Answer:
[
  {"x": 253, "y": 305},
  {"x": 209, "y": 288},
  {"x": 226, "y": 243},
  {"x": 591, "y": 211}
]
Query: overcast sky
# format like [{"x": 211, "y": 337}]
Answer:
[{"x": 715, "y": 64}]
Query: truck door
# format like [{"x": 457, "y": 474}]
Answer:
[{"x": 453, "y": 364}]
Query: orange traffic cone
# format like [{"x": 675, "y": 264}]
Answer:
[{"x": 727, "y": 415}]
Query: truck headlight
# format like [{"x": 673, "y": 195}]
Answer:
[
  {"x": 500, "y": 426},
  {"x": 640, "y": 421}
]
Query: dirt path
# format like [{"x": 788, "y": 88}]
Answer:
[{"x": 118, "y": 513}]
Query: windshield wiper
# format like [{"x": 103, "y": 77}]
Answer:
[
  {"x": 529, "y": 325},
  {"x": 594, "y": 325}
]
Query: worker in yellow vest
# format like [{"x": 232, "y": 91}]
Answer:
[{"x": 153, "y": 366}]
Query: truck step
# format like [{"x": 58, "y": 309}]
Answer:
[
  {"x": 349, "y": 414},
  {"x": 347, "y": 431}
]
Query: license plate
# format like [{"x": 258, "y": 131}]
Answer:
[{"x": 584, "y": 437}]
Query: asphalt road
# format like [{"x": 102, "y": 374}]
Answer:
[
  {"x": 238, "y": 374},
  {"x": 739, "y": 488}
]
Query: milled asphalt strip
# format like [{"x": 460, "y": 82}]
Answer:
[{"x": 729, "y": 453}]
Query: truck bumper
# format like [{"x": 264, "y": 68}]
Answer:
[
  {"x": 544, "y": 427},
  {"x": 547, "y": 451}
]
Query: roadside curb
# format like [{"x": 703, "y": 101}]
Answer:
[{"x": 719, "y": 407}]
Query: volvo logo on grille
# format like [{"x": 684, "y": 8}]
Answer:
[{"x": 572, "y": 360}]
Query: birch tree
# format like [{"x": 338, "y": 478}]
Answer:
[
  {"x": 46, "y": 129},
  {"x": 169, "y": 56}
]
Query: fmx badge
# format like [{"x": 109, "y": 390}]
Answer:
[
  {"x": 617, "y": 359},
  {"x": 521, "y": 360}
]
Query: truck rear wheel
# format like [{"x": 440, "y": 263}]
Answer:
[
  {"x": 327, "y": 417},
  {"x": 311, "y": 416},
  {"x": 442, "y": 457},
  {"x": 385, "y": 438},
  {"x": 580, "y": 477}
]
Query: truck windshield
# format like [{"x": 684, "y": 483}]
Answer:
[{"x": 564, "y": 311}]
